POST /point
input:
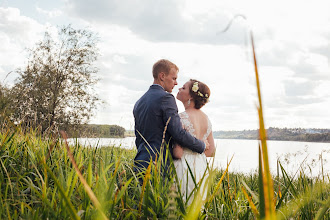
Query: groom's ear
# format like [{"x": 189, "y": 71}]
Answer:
[{"x": 161, "y": 76}]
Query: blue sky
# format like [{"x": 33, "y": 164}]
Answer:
[{"x": 292, "y": 41}]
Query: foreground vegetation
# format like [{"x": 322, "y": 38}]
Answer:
[{"x": 39, "y": 181}]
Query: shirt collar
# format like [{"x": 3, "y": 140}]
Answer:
[{"x": 158, "y": 85}]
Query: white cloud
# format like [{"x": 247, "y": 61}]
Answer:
[
  {"x": 17, "y": 33},
  {"x": 160, "y": 21},
  {"x": 51, "y": 14},
  {"x": 20, "y": 29},
  {"x": 292, "y": 45},
  {"x": 119, "y": 59}
]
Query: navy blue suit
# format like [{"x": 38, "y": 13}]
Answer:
[{"x": 151, "y": 112}]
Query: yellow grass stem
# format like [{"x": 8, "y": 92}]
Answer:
[
  {"x": 164, "y": 133},
  {"x": 82, "y": 179},
  {"x": 219, "y": 184},
  {"x": 146, "y": 142},
  {"x": 9, "y": 181},
  {"x": 265, "y": 170},
  {"x": 145, "y": 182},
  {"x": 4, "y": 138},
  {"x": 253, "y": 207},
  {"x": 8, "y": 213},
  {"x": 228, "y": 185}
]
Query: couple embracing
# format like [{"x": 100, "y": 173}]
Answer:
[{"x": 189, "y": 134}]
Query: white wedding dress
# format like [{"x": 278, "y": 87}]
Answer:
[{"x": 197, "y": 162}]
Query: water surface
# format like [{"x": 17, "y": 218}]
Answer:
[{"x": 245, "y": 152}]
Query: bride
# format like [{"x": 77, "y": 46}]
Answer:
[{"x": 194, "y": 95}]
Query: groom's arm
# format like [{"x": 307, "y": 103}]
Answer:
[{"x": 174, "y": 127}]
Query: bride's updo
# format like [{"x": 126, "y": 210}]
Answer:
[{"x": 200, "y": 93}]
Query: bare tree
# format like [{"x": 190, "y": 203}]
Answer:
[
  {"x": 55, "y": 89},
  {"x": 5, "y": 103}
]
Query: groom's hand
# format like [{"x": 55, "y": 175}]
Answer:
[
  {"x": 177, "y": 151},
  {"x": 207, "y": 145}
]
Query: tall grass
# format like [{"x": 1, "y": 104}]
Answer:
[{"x": 39, "y": 181}]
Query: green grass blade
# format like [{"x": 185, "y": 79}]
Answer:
[
  {"x": 69, "y": 206},
  {"x": 218, "y": 184},
  {"x": 288, "y": 186},
  {"x": 323, "y": 210},
  {"x": 83, "y": 181}
]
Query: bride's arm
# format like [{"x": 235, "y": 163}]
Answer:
[{"x": 211, "y": 151}]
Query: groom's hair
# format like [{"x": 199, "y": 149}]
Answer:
[{"x": 163, "y": 66}]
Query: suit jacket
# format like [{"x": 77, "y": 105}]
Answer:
[{"x": 151, "y": 112}]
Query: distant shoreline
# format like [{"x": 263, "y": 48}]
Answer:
[
  {"x": 279, "y": 134},
  {"x": 273, "y": 134},
  {"x": 225, "y": 138},
  {"x": 219, "y": 138}
]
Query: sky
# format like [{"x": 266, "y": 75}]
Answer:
[{"x": 292, "y": 40}]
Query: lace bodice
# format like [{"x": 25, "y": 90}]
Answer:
[{"x": 190, "y": 127}]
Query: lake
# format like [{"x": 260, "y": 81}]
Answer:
[{"x": 245, "y": 152}]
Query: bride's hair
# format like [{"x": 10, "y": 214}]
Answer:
[{"x": 200, "y": 93}]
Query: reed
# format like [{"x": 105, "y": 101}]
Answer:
[{"x": 39, "y": 181}]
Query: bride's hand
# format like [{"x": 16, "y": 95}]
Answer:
[{"x": 177, "y": 151}]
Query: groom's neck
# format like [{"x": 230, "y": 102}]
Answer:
[{"x": 158, "y": 82}]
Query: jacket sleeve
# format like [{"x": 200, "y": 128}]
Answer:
[{"x": 174, "y": 127}]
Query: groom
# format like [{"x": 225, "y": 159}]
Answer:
[{"x": 151, "y": 113}]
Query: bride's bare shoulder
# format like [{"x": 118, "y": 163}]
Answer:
[
  {"x": 202, "y": 114},
  {"x": 197, "y": 116}
]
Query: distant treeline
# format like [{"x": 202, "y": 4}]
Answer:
[
  {"x": 281, "y": 134},
  {"x": 96, "y": 131}
]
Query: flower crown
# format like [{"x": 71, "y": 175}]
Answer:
[{"x": 195, "y": 89}]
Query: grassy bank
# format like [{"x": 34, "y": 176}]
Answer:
[{"x": 39, "y": 181}]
